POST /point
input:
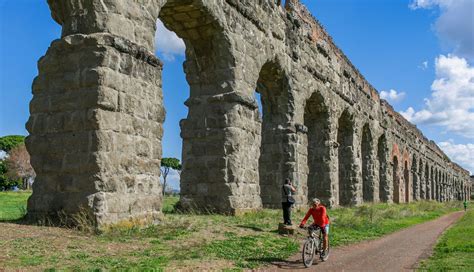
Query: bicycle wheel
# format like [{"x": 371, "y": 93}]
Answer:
[
  {"x": 308, "y": 252},
  {"x": 325, "y": 255}
]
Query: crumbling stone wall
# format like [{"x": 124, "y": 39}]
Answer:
[{"x": 97, "y": 114}]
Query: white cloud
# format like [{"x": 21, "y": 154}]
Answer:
[
  {"x": 3, "y": 154},
  {"x": 455, "y": 24},
  {"x": 168, "y": 43},
  {"x": 452, "y": 102},
  {"x": 392, "y": 96},
  {"x": 424, "y": 65},
  {"x": 463, "y": 154}
]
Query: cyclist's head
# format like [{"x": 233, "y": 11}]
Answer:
[{"x": 316, "y": 201}]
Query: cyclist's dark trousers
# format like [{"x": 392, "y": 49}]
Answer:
[{"x": 286, "y": 212}]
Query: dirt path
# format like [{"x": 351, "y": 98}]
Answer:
[{"x": 399, "y": 251}]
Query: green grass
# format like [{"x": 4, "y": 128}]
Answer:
[
  {"x": 349, "y": 225},
  {"x": 194, "y": 241},
  {"x": 252, "y": 250},
  {"x": 455, "y": 249},
  {"x": 13, "y": 205}
]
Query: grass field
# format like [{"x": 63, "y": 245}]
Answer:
[
  {"x": 191, "y": 241},
  {"x": 455, "y": 249},
  {"x": 13, "y": 205}
]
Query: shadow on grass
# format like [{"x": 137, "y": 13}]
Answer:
[
  {"x": 251, "y": 228},
  {"x": 20, "y": 221}
]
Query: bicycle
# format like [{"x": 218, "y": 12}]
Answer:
[{"x": 314, "y": 244}]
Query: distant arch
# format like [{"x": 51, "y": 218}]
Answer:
[
  {"x": 406, "y": 177},
  {"x": 272, "y": 86},
  {"x": 415, "y": 179},
  {"x": 421, "y": 180},
  {"x": 367, "y": 164},
  {"x": 382, "y": 154},
  {"x": 396, "y": 180},
  {"x": 316, "y": 119},
  {"x": 345, "y": 139}
]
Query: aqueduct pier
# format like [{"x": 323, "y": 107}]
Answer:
[{"x": 97, "y": 114}]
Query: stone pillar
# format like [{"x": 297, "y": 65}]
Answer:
[
  {"x": 429, "y": 176},
  {"x": 385, "y": 171},
  {"x": 374, "y": 172},
  {"x": 96, "y": 115},
  {"x": 416, "y": 182},
  {"x": 221, "y": 147},
  {"x": 422, "y": 185},
  {"x": 332, "y": 161}
]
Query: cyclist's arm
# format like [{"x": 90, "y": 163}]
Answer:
[
  {"x": 323, "y": 212},
  {"x": 303, "y": 222}
]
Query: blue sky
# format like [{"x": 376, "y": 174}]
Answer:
[{"x": 417, "y": 52}]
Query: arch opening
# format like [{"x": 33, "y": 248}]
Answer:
[
  {"x": 271, "y": 89},
  {"x": 316, "y": 119},
  {"x": 406, "y": 177},
  {"x": 396, "y": 180},
  {"x": 368, "y": 184},
  {"x": 431, "y": 184},
  {"x": 434, "y": 181},
  {"x": 346, "y": 164},
  {"x": 427, "y": 181},
  {"x": 204, "y": 179},
  {"x": 415, "y": 179},
  {"x": 382, "y": 153},
  {"x": 421, "y": 193}
]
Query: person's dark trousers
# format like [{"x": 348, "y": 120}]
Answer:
[{"x": 286, "y": 213}]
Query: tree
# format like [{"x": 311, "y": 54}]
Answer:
[
  {"x": 7, "y": 143},
  {"x": 166, "y": 165},
  {"x": 18, "y": 165},
  {"x": 6, "y": 183}
]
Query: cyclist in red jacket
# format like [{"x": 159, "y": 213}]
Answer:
[{"x": 320, "y": 218}]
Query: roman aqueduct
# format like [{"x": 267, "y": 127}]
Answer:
[{"x": 97, "y": 114}]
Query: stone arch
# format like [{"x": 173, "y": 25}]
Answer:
[
  {"x": 432, "y": 182},
  {"x": 421, "y": 184},
  {"x": 441, "y": 187},
  {"x": 368, "y": 158},
  {"x": 382, "y": 155},
  {"x": 214, "y": 140},
  {"x": 346, "y": 162},
  {"x": 446, "y": 189},
  {"x": 406, "y": 178},
  {"x": 272, "y": 85},
  {"x": 316, "y": 119},
  {"x": 396, "y": 179},
  {"x": 415, "y": 178},
  {"x": 427, "y": 181},
  {"x": 434, "y": 185}
]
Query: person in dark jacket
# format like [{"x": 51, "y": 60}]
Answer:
[{"x": 287, "y": 200}]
